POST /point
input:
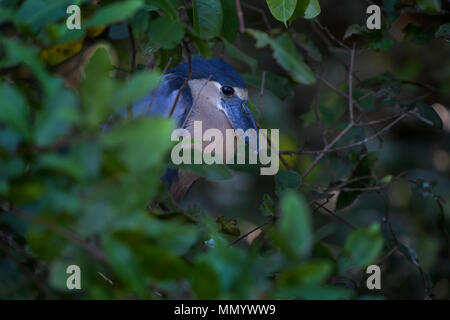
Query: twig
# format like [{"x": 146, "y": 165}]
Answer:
[
  {"x": 373, "y": 122},
  {"x": 186, "y": 81},
  {"x": 195, "y": 100},
  {"x": 240, "y": 16},
  {"x": 326, "y": 149},
  {"x": 260, "y": 11},
  {"x": 316, "y": 113},
  {"x": 157, "y": 87},
  {"x": 105, "y": 278},
  {"x": 250, "y": 232},
  {"x": 350, "y": 84},
  {"x": 348, "y": 224},
  {"x": 331, "y": 36},
  {"x": 387, "y": 255},
  {"x": 330, "y": 150},
  {"x": 426, "y": 282},
  {"x": 280, "y": 156},
  {"x": 269, "y": 141},
  {"x": 261, "y": 95}
]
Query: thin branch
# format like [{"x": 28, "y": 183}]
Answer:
[
  {"x": 157, "y": 87},
  {"x": 325, "y": 150},
  {"x": 260, "y": 11},
  {"x": 195, "y": 101},
  {"x": 261, "y": 95},
  {"x": 350, "y": 84},
  {"x": 387, "y": 255},
  {"x": 240, "y": 16},
  {"x": 337, "y": 217},
  {"x": 251, "y": 231},
  {"x": 375, "y": 135},
  {"x": 269, "y": 141},
  {"x": 331, "y": 36},
  {"x": 105, "y": 278},
  {"x": 330, "y": 150},
  {"x": 186, "y": 81},
  {"x": 346, "y": 182},
  {"x": 373, "y": 122}
]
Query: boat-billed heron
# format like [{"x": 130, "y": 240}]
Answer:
[{"x": 215, "y": 94}]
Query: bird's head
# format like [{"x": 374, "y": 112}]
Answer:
[{"x": 217, "y": 85}]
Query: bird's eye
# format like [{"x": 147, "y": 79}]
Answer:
[{"x": 228, "y": 91}]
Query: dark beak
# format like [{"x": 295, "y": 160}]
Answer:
[{"x": 241, "y": 117}]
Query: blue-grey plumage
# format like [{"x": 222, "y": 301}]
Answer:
[{"x": 216, "y": 95}]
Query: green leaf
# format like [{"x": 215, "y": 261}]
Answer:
[
  {"x": 61, "y": 164},
  {"x": 361, "y": 248},
  {"x": 140, "y": 84},
  {"x": 239, "y": 55},
  {"x": 39, "y": 13},
  {"x": 230, "y": 29},
  {"x": 159, "y": 263},
  {"x": 309, "y": 273},
  {"x": 368, "y": 103},
  {"x": 15, "y": 52},
  {"x": 379, "y": 39},
  {"x": 44, "y": 243},
  {"x": 294, "y": 226},
  {"x": 208, "y": 17},
  {"x": 353, "y": 29},
  {"x": 331, "y": 108},
  {"x": 114, "y": 12},
  {"x": 170, "y": 7},
  {"x": 300, "y": 9},
  {"x": 418, "y": 34},
  {"x": 54, "y": 121},
  {"x": 204, "y": 47},
  {"x": 286, "y": 180},
  {"x": 205, "y": 282},
  {"x": 7, "y": 15},
  {"x": 282, "y": 10},
  {"x": 278, "y": 85},
  {"x": 429, "y": 6},
  {"x": 311, "y": 50},
  {"x": 314, "y": 292},
  {"x": 286, "y": 55},
  {"x": 363, "y": 168},
  {"x": 386, "y": 179},
  {"x": 165, "y": 33},
  {"x": 443, "y": 31},
  {"x": 267, "y": 206},
  {"x": 228, "y": 226},
  {"x": 125, "y": 264},
  {"x": 140, "y": 144},
  {"x": 14, "y": 109},
  {"x": 229, "y": 264},
  {"x": 313, "y": 9},
  {"x": 97, "y": 107},
  {"x": 308, "y": 9}
]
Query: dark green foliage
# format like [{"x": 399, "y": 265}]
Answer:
[{"x": 72, "y": 193}]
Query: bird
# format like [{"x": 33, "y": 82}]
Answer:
[{"x": 215, "y": 94}]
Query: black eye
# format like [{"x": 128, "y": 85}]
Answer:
[{"x": 228, "y": 91}]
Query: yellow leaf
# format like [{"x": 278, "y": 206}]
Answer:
[{"x": 61, "y": 52}]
